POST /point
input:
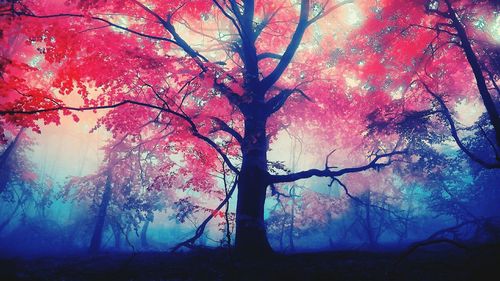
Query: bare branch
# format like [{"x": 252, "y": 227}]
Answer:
[
  {"x": 373, "y": 164},
  {"x": 361, "y": 202},
  {"x": 425, "y": 243},
  {"x": 269, "y": 56},
  {"x": 233, "y": 21},
  {"x": 434, "y": 28},
  {"x": 225, "y": 127},
  {"x": 275, "y": 103},
  {"x": 327, "y": 166},
  {"x": 199, "y": 231}
]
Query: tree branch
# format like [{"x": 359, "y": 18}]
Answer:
[
  {"x": 178, "y": 39},
  {"x": 275, "y": 103},
  {"x": 223, "y": 126},
  {"x": 454, "y": 132},
  {"x": 425, "y": 243},
  {"x": 109, "y": 23},
  {"x": 373, "y": 164},
  {"x": 199, "y": 231},
  {"x": 193, "y": 127},
  {"x": 292, "y": 47},
  {"x": 227, "y": 15},
  {"x": 269, "y": 55},
  {"x": 360, "y": 201}
]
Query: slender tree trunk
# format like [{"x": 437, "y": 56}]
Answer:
[
  {"x": 118, "y": 239},
  {"x": 10, "y": 148},
  {"x": 330, "y": 242},
  {"x": 226, "y": 213},
  {"x": 10, "y": 216},
  {"x": 4, "y": 164},
  {"x": 369, "y": 226},
  {"x": 282, "y": 232},
  {"x": 292, "y": 219},
  {"x": 144, "y": 236},
  {"x": 95, "y": 243},
  {"x": 115, "y": 227},
  {"x": 251, "y": 238},
  {"x": 404, "y": 233}
]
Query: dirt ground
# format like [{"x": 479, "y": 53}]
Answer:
[{"x": 430, "y": 263}]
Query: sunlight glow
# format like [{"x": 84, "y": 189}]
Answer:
[
  {"x": 398, "y": 93},
  {"x": 352, "y": 82},
  {"x": 468, "y": 112},
  {"x": 353, "y": 16},
  {"x": 495, "y": 29},
  {"x": 121, "y": 21}
]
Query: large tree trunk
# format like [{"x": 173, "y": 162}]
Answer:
[
  {"x": 251, "y": 238},
  {"x": 95, "y": 243}
]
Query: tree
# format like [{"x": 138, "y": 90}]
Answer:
[
  {"x": 20, "y": 185},
  {"x": 122, "y": 192},
  {"x": 238, "y": 93}
]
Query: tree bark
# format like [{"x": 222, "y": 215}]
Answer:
[
  {"x": 251, "y": 238},
  {"x": 95, "y": 243}
]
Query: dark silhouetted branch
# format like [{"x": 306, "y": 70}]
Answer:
[
  {"x": 275, "y": 103},
  {"x": 109, "y": 23},
  {"x": 193, "y": 127},
  {"x": 292, "y": 47},
  {"x": 454, "y": 132},
  {"x": 269, "y": 56},
  {"x": 199, "y": 231},
  {"x": 426, "y": 243},
  {"x": 373, "y": 164},
  {"x": 223, "y": 126}
]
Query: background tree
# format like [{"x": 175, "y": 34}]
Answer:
[
  {"x": 21, "y": 186},
  {"x": 121, "y": 192}
]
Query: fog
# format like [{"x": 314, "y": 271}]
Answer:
[{"x": 44, "y": 214}]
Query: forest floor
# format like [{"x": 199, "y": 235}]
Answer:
[{"x": 427, "y": 263}]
